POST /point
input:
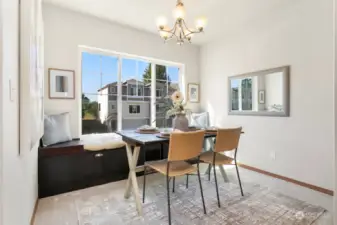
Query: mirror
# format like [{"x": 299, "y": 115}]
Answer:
[{"x": 262, "y": 93}]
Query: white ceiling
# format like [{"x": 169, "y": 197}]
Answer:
[{"x": 223, "y": 16}]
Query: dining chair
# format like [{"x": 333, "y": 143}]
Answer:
[
  {"x": 226, "y": 140},
  {"x": 182, "y": 146}
]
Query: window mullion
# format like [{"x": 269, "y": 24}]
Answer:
[
  {"x": 119, "y": 94},
  {"x": 153, "y": 101},
  {"x": 240, "y": 94}
]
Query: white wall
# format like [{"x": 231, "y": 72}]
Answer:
[
  {"x": 18, "y": 172},
  {"x": 335, "y": 110},
  {"x": 66, "y": 30},
  {"x": 299, "y": 35}
]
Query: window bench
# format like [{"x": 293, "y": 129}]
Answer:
[{"x": 68, "y": 166}]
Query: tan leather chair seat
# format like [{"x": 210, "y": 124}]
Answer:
[
  {"x": 178, "y": 168},
  {"x": 220, "y": 159}
]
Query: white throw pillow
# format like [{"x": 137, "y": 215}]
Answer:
[
  {"x": 56, "y": 129},
  {"x": 199, "y": 120}
]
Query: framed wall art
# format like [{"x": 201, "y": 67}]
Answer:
[
  {"x": 193, "y": 94},
  {"x": 61, "y": 84}
]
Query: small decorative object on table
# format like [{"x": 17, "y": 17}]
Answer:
[
  {"x": 178, "y": 110},
  {"x": 165, "y": 133},
  {"x": 146, "y": 129}
]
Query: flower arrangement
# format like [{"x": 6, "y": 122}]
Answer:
[{"x": 177, "y": 106}]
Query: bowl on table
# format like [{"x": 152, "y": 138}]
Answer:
[{"x": 165, "y": 132}]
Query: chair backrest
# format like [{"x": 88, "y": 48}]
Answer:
[
  {"x": 185, "y": 145},
  {"x": 227, "y": 139}
]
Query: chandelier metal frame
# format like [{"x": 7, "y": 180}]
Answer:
[{"x": 180, "y": 31}]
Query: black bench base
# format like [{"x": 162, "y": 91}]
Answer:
[{"x": 67, "y": 166}]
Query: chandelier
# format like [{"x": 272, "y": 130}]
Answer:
[{"x": 180, "y": 31}]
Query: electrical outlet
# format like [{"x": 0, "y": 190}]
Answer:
[{"x": 273, "y": 155}]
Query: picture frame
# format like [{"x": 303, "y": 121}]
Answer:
[
  {"x": 262, "y": 97},
  {"x": 61, "y": 83},
  {"x": 193, "y": 93}
]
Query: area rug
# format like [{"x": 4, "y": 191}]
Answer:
[{"x": 259, "y": 206}]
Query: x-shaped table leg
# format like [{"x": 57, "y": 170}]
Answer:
[{"x": 132, "y": 180}]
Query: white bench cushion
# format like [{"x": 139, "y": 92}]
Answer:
[{"x": 97, "y": 142}]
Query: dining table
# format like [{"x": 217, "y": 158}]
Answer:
[{"x": 134, "y": 141}]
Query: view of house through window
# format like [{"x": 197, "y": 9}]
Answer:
[
  {"x": 167, "y": 82},
  {"x": 101, "y": 101},
  {"x": 98, "y": 73}
]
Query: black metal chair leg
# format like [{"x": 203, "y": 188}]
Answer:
[
  {"x": 174, "y": 184},
  {"x": 144, "y": 184},
  {"x": 209, "y": 172},
  {"x": 201, "y": 191},
  {"x": 186, "y": 181},
  {"x": 237, "y": 172},
  {"x": 216, "y": 186},
  {"x": 168, "y": 198}
]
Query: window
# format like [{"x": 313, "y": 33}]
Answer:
[
  {"x": 99, "y": 91},
  {"x": 134, "y": 109},
  {"x": 161, "y": 107},
  {"x": 140, "y": 91},
  {"x": 113, "y": 90},
  {"x": 108, "y": 90},
  {"x": 159, "y": 93},
  {"x": 167, "y": 82},
  {"x": 136, "y": 74},
  {"x": 242, "y": 94},
  {"x": 133, "y": 89},
  {"x": 246, "y": 94}
]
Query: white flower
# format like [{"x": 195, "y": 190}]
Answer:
[{"x": 177, "y": 97}]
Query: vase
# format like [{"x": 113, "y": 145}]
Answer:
[{"x": 180, "y": 122}]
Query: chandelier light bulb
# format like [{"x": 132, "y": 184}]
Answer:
[
  {"x": 161, "y": 22},
  {"x": 164, "y": 34},
  {"x": 179, "y": 12},
  {"x": 200, "y": 23}
]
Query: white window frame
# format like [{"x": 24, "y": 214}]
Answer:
[{"x": 120, "y": 56}]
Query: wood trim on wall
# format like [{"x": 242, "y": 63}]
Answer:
[
  {"x": 32, "y": 220},
  {"x": 287, "y": 179}
]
